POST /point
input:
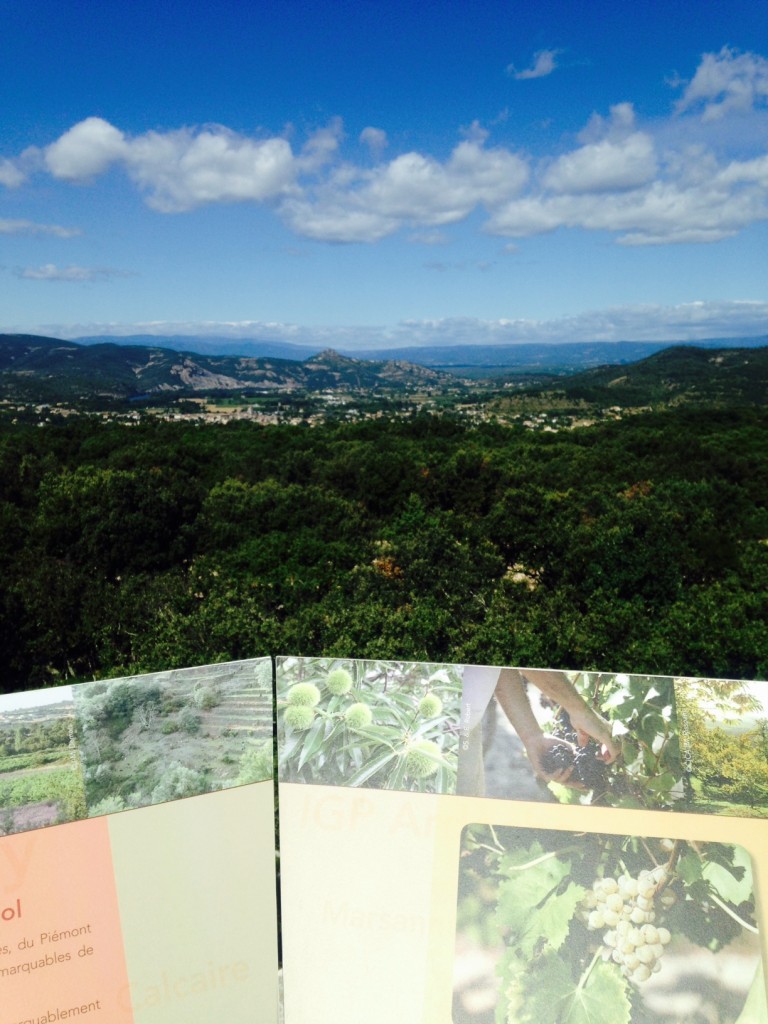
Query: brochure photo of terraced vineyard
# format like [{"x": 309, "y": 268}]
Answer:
[
  {"x": 164, "y": 736},
  {"x": 41, "y": 780}
]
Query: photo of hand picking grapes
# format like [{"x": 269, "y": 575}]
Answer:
[{"x": 569, "y": 737}]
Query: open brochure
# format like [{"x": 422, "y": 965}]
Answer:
[
  {"x": 137, "y": 864},
  {"x": 485, "y": 845},
  {"x": 479, "y": 845}
]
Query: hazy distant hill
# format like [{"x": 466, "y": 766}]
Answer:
[
  {"x": 683, "y": 375},
  {"x": 212, "y": 345},
  {"x": 36, "y": 369},
  {"x": 526, "y": 357}
]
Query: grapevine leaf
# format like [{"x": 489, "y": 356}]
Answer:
[
  {"x": 689, "y": 868},
  {"x": 510, "y": 970},
  {"x": 602, "y": 1000},
  {"x": 662, "y": 783},
  {"x": 734, "y": 890},
  {"x": 548, "y": 990},
  {"x": 549, "y": 925},
  {"x": 529, "y": 876},
  {"x": 629, "y": 801},
  {"x": 755, "y": 1010},
  {"x": 564, "y": 794},
  {"x": 616, "y": 699}
]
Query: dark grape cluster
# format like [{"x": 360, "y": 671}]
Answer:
[{"x": 586, "y": 769}]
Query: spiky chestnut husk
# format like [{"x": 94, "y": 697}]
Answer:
[
  {"x": 299, "y": 717},
  {"x": 358, "y": 716},
  {"x": 420, "y": 760},
  {"x": 304, "y": 695},
  {"x": 339, "y": 682},
  {"x": 430, "y": 705}
]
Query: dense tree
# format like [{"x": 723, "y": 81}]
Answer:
[{"x": 637, "y": 545}]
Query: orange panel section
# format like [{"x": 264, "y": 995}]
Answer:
[{"x": 61, "y": 948}]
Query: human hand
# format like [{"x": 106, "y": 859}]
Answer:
[
  {"x": 553, "y": 759},
  {"x": 589, "y": 725}
]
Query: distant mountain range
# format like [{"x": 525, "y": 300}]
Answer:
[
  {"x": 566, "y": 357},
  {"x": 37, "y": 369},
  {"x": 212, "y": 345},
  {"x": 546, "y": 357}
]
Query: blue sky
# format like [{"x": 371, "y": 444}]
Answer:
[{"x": 367, "y": 173}]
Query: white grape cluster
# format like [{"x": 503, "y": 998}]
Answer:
[{"x": 624, "y": 907}]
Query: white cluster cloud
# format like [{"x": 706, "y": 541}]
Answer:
[
  {"x": 661, "y": 212},
  {"x": 605, "y": 166},
  {"x": 85, "y": 150},
  {"x": 689, "y": 321},
  {"x": 644, "y": 184},
  {"x": 355, "y": 205},
  {"x": 11, "y": 174},
  {"x": 51, "y": 272},
  {"x": 181, "y": 169},
  {"x": 627, "y": 182},
  {"x": 320, "y": 148},
  {"x": 28, "y": 227},
  {"x": 374, "y": 138},
  {"x": 544, "y": 63},
  {"x": 725, "y": 82}
]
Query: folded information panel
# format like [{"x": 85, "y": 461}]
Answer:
[
  {"x": 137, "y": 859},
  {"x": 486, "y": 845},
  {"x": 461, "y": 844}
]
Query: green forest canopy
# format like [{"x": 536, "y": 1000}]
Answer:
[{"x": 638, "y": 546}]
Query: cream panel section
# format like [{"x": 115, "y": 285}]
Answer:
[
  {"x": 356, "y": 870},
  {"x": 369, "y": 883},
  {"x": 196, "y": 888}
]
